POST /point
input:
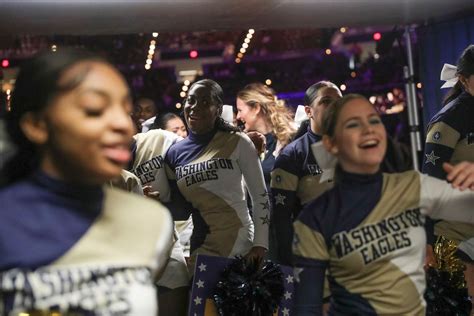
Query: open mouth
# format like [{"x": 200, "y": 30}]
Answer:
[
  {"x": 119, "y": 154},
  {"x": 368, "y": 144}
]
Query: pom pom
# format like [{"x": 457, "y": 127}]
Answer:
[{"x": 248, "y": 288}]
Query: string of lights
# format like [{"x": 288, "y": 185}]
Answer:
[
  {"x": 151, "y": 51},
  {"x": 244, "y": 46}
]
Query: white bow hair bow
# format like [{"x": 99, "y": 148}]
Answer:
[
  {"x": 300, "y": 115},
  {"x": 448, "y": 74},
  {"x": 228, "y": 114}
]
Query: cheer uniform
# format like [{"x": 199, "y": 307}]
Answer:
[
  {"x": 148, "y": 164},
  {"x": 450, "y": 139},
  {"x": 148, "y": 160},
  {"x": 79, "y": 249},
  {"x": 295, "y": 182},
  {"x": 207, "y": 170},
  {"x": 368, "y": 231}
]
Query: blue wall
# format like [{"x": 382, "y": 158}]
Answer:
[{"x": 440, "y": 43}]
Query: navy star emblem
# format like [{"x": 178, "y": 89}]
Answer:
[
  {"x": 265, "y": 205},
  {"x": 431, "y": 158},
  {"x": 265, "y": 220},
  {"x": 280, "y": 199},
  {"x": 437, "y": 136}
]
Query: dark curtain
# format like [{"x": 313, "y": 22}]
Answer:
[{"x": 440, "y": 43}]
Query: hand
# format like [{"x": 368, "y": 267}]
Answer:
[
  {"x": 256, "y": 253},
  {"x": 461, "y": 175},
  {"x": 430, "y": 260},
  {"x": 258, "y": 140},
  {"x": 147, "y": 191}
]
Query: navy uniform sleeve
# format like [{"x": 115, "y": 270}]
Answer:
[
  {"x": 440, "y": 143},
  {"x": 311, "y": 257},
  {"x": 284, "y": 183},
  {"x": 180, "y": 208}
]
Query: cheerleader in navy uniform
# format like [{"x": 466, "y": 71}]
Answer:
[
  {"x": 450, "y": 138},
  {"x": 68, "y": 243},
  {"x": 368, "y": 230},
  {"x": 296, "y": 175},
  {"x": 207, "y": 169}
]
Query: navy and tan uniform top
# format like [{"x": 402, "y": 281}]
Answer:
[
  {"x": 450, "y": 138},
  {"x": 368, "y": 231},
  {"x": 79, "y": 249},
  {"x": 148, "y": 162},
  {"x": 295, "y": 182},
  {"x": 207, "y": 170}
]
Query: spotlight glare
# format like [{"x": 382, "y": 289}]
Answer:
[
  {"x": 151, "y": 51},
  {"x": 147, "y": 66},
  {"x": 268, "y": 82},
  {"x": 155, "y": 34},
  {"x": 251, "y": 31},
  {"x": 148, "y": 61},
  {"x": 237, "y": 60},
  {"x": 185, "y": 88},
  {"x": 419, "y": 85},
  {"x": 182, "y": 94},
  {"x": 245, "y": 45},
  {"x": 152, "y": 42},
  {"x": 249, "y": 36},
  {"x": 343, "y": 30},
  {"x": 187, "y": 82},
  {"x": 343, "y": 87},
  {"x": 240, "y": 55},
  {"x": 152, "y": 46},
  {"x": 328, "y": 51},
  {"x": 178, "y": 105},
  {"x": 376, "y": 56},
  {"x": 247, "y": 40},
  {"x": 243, "y": 50},
  {"x": 372, "y": 99},
  {"x": 353, "y": 74}
]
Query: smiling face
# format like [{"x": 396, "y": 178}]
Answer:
[
  {"x": 200, "y": 110},
  {"x": 360, "y": 139},
  {"x": 176, "y": 125},
  {"x": 247, "y": 114},
  {"x": 88, "y": 129},
  {"x": 315, "y": 111}
]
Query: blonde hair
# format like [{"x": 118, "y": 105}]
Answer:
[{"x": 273, "y": 110}]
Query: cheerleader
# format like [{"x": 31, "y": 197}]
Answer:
[
  {"x": 296, "y": 175},
  {"x": 69, "y": 244},
  {"x": 206, "y": 170},
  {"x": 368, "y": 230}
]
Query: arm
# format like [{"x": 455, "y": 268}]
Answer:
[
  {"x": 252, "y": 173},
  {"x": 283, "y": 185},
  {"x": 311, "y": 259},
  {"x": 439, "y": 147},
  {"x": 438, "y": 199},
  {"x": 178, "y": 206}
]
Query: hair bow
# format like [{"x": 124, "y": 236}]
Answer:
[
  {"x": 300, "y": 115},
  {"x": 449, "y": 74},
  {"x": 228, "y": 114}
]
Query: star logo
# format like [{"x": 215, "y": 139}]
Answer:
[
  {"x": 197, "y": 300},
  {"x": 200, "y": 284},
  {"x": 280, "y": 199},
  {"x": 264, "y": 194},
  {"x": 287, "y": 295},
  {"x": 265, "y": 220},
  {"x": 202, "y": 267},
  {"x": 437, "y": 136},
  {"x": 286, "y": 312},
  {"x": 265, "y": 205},
  {"x": 431, "y": 158},
  {"x": 289, "y": 279}
]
